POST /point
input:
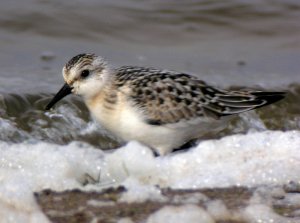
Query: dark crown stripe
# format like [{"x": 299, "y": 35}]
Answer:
[{"x": 77, "y": 59}]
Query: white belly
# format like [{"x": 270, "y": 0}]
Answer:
[{"x": 127, "y": 124}]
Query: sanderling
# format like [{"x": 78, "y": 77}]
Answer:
[{"x": 159, "y": 108}]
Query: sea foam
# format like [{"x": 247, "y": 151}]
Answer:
[{"x": 254, "y": 159}]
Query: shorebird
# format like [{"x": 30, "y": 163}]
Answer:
[{"x": 160, "y": 108}]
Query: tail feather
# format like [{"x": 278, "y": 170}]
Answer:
[
  {"x": 269, "y": 97},
  {"x": 224, "y": 103}
]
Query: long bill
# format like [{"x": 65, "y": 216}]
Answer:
[{"x": 64, "y": 91}]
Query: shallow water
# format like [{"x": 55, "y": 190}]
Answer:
[
  {"x": 226, "y": 43},
  {"x": 23, "y": 118}
]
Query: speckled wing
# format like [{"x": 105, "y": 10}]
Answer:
[{"x": 167, "y": 97}]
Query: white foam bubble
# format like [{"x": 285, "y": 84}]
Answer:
[
  {"x": 178, "y": 214},
  {"x": 26, "y": 168},
  {"x": 125, "y": 220},
  {"x": 218, "y": 210},
  {"x": 140, "y": 193},
  {"x": 253, "y": 159},
  {"x": 265, "y": 214},
  {"x": 249, "y": 160}
]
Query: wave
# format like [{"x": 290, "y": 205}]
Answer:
[{"x": 22, "y": 117}]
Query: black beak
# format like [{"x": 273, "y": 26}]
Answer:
[{"x": 64, "y": 91}]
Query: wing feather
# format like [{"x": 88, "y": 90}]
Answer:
[{"x": 167, "y": 97}]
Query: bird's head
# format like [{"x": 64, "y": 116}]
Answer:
[{"x": 85, "y": 75}]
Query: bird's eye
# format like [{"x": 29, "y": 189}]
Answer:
[{"x": 85, "y": 73}]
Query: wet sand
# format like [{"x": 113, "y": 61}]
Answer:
[{"x": 76, "y": 206}]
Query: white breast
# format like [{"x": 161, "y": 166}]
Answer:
[{"x": 127, "y": 123}]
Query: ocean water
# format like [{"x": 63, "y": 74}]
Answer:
[{"x": 230, "y": 44}]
